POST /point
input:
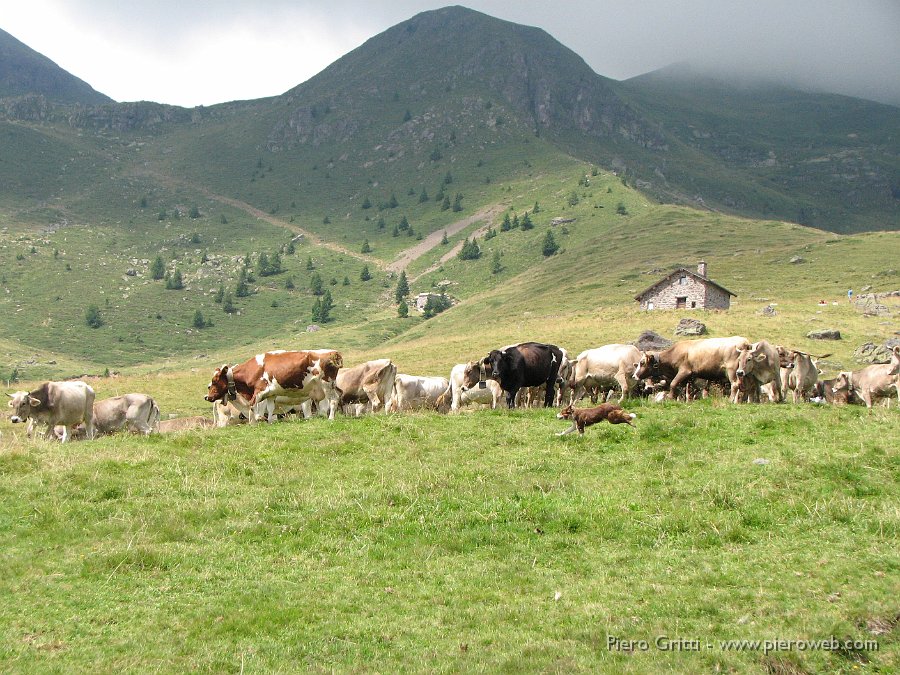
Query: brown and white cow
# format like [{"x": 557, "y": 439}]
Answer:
[
  {"x": 880, "y": 380},
  {"x": 414, "y": 392},
  {"x": 759, "y": 366},
  {"x": 136, "y": 412},
  {"x": 604, "y": 366},
  {"x": 369, "y": 384},
  {"x": 296, "y": 376},
  {"x": 56, "y": 403},
  {"x": 709, "y": 359}
]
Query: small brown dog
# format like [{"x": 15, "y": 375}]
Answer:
[{"x": 585, "y": 417}]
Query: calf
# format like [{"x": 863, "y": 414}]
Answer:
[{"x": 585, "y": 417}]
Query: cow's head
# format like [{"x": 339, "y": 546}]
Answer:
[
  {"x": 472, "y": 375},
  {"x": 22, "y": 404},
  {"x": 786, "y": 357},
  {"x": 843, "y": 382},
  {"x": 648, "y": 366},
  {"x": 496, "y": 362},
  {"x": 749, "y": 356},
  {"x": 221, "y": 385}
]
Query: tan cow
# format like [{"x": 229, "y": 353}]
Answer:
[
  {"x": 56, "y": 403},
  {"x": 136, "y": 412},
  {"x": 369, "y": 384},
  {"x": 880, "y": 380},
  {"x": 759, "y": 366},
  {"x": 799, "y": 373},
  {"x": 709, "y": 359}
]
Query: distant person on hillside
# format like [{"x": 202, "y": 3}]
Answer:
[{"x": 850, "y": 295}]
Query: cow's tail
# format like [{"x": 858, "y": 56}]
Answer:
[
  {"x": 388, "y": 375},
  {"x": 392, "y": 404},
  {"x": 153, "y": 417}
]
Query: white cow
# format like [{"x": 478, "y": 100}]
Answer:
[
  {"x": 604, "y": 366},
  {"x": 56, "y": 403},
  {"x": 412, "y": 392},
  {"x": 465, "y": 387}
]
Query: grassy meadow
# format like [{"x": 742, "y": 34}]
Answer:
[{"x": 475, "y": 542}]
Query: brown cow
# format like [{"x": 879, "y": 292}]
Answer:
[
  {"x": 689, "y": 359},
  {"x": 299, "y": 376},
  {"x": 369, "y": 383}
]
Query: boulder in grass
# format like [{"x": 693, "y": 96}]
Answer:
[
  {"x": 690, "y": 328},
  {"x": 829, "y": 334},
  {"x": 648, "y": 341}
]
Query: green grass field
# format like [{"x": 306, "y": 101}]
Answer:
[{"x": 475, "y": 542}]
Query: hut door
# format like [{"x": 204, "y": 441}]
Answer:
[{"x": 680, "y": 303}]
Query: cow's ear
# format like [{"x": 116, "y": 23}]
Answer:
[
  {"x": 760, "y": 357},
  {"x": 33, "y": 402}
]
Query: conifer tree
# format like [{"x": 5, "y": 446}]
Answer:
[{"x": 402, "y": 289}]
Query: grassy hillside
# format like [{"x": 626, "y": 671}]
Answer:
[
  {"x": 616, "y": 244},
  {"x": 470, "y": 542}
]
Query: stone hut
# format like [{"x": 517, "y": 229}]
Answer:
[{"x": 685, "y": 289}]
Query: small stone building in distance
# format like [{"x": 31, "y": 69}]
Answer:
[{"x": 684, "y": 289}]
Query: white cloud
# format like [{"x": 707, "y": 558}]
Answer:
[{"x": 191, "y": 52}]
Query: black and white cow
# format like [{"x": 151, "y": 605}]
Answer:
[{"x": 527, "y": 364}]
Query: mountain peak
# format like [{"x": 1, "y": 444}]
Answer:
[{"x": 24, "y": 71}]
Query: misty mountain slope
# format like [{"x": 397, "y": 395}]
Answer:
[
  {"x": 824, "y": 160},
  {"x": 24, "y": 71}
]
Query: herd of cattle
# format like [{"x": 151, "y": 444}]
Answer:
[{"x": 277, "y": 383}]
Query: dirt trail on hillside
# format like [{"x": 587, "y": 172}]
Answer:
[
  {"x": 404, "y": 258},
  {"x": 401, "y": 262}
]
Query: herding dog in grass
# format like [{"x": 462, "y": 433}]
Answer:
[{"x": 585, "y": 417}]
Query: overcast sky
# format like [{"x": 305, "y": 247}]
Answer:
[{"x": 192, "y": 52}]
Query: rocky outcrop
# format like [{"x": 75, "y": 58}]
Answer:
[{"x": 690, "y": 328}]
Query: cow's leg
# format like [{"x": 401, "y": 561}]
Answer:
[
  {"x": 65, "y": 433},
  {"x": 866, "y": 396},
  {"x": 680, "y": 377},
  {"x": 511, "y": 398},
  {"x": 550, "y": 393}
]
